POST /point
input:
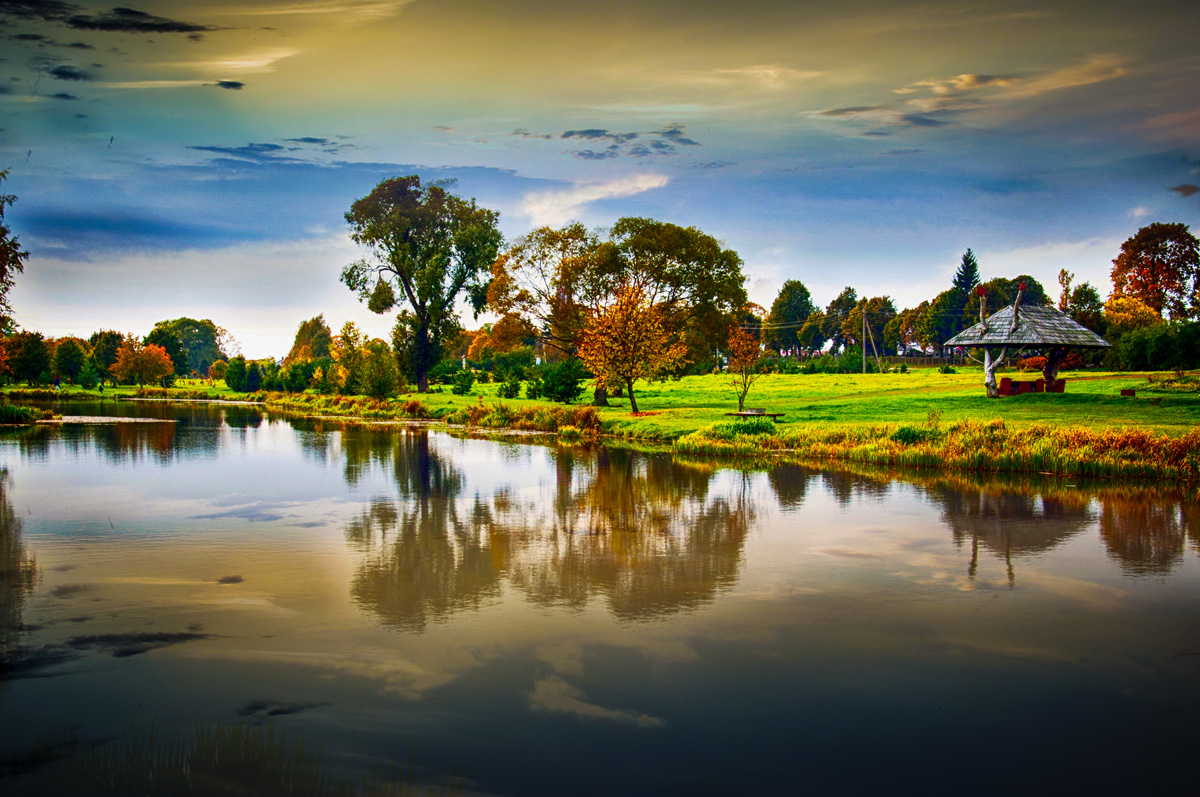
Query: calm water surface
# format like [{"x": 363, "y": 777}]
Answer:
[{"x": 566, "y": 621}]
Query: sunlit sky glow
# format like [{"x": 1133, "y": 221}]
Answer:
[{"x": 196, "y": 158}]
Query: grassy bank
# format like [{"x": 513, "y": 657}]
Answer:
[{"x": 919, "y": 419}]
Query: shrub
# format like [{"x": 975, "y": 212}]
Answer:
[
  {"x": 511, "y": 388},
  {"x": 728, "y": 430},
  {"x": 562, "y": 381},
  {"x": 946, "y": 369},
  {"x": 463, "y": 382}
]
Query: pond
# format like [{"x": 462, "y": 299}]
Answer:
[{"x": 544, "y": 619}]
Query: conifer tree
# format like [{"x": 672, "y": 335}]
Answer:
[{"x": 967, "y": 276}]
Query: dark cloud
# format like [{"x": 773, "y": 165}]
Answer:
[
  {"x": 77, "y": 46},
  {"x": 877, "y": 133},
  {"x": 526, "y": 134},
  {"x": 47, "y": 10},
  {"x": 674, "y": 134},
  {"x": 62, "y": 95},
  {"x": 714, "y": 165},
  {"x": 592, "y": 155},
  {"x": 128, "y": 20},
  {"x": 230, "y": 580},
  {"x": 235, "y": 85},
  {"x": 309, "y": 140},
  {"x": 250, "y": 152},
  {"x": 1185, "y": 189},
  {"x": 260, "y": 709},
  {"x": 68, "y": 590},
  {"x": 919, "y": 120},
  {"x": 853, "y": 110},
  {"x": 599, "y": 135},
  {"x": 897, "y": 152},
  {"x": 68, "y": 73},
  {"x": 29, "y": 37}
]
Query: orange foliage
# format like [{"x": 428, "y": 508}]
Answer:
[{"x": 141, "y": 363}]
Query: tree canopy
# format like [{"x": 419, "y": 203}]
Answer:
[
  {"x": 312, "y": 342},
  {"x": 791, "y": 308},
  {"x": 202, "y": 340},
  {"x": 1160, "y": 265},
  {"x": 836, "y": 314},
  {"x": 427, "y": 248}
]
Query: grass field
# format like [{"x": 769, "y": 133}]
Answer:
[{"x": 672, "y": 409}]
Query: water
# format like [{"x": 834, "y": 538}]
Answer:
[{"x": 550, "y": 620}]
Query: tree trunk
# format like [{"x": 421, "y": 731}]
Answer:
[
  {"x": 600, "y": 397},
  {"x": 1053, "y": 362},
  {"x": 989, "y": 371},
  {"x": 422, "y": 382},
  {"x": 632, "y": 400}
]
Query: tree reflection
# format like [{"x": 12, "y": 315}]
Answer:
[
  {"x": 18, "y": 576},
  {"x": 1145, "y": 533},
  {"x": 1009, "y": 521},
  {"x": 640, "y": 531}
]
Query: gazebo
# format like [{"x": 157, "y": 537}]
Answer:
[{"x": 1017, "y": 328}]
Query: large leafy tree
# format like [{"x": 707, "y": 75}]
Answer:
[
  {"x": 29, "y": 357},
  {"x": 428, "y": 248},
  {"x": 695, "y": 284},
  {"x": 1160, "y": 265},
  {"x": 836, "y": 314},
  {"x": 69, "y": 356},
  {"x": 880, "y": 311},
  {"x": 789, "y": 311},
  {"x": 204, "y": 342},
  {"x": 312, "y": 342},
  {"x": 12, "y": 260},
  {"x": 104, "y": 350}
]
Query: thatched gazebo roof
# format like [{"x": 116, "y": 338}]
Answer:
[{"x": 1036, "y": 327}]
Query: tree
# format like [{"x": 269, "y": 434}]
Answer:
[
  {"x": 12, "y": 260},
  {"x": 880, "y": 311},
  {"x": 430, "y": 247},
  {"x": 217, "y": 369},
  {"x": 1001, "y": 292},
  {"x": 904, "y": 331},
  {"x": 1064, "y": 297},
  {"x": 202, "y": 340},
  {"x": 835, "y": 315},
  {"x": 626, "y": 341},
  {"x": 744, "y": 351},
  {"x": 1160, "y": 265},
  {"x": 1124, "y": 313},
  {"x": 312, "y": 342},
  {"x": 104, "y": 349},
  {"x": 789, "y": 311},
  {"x": 29, "y": 358},
  {"x": 812, "y": 334},
  {"x": 69, "y": 357},
  {"x": 967, "y": 276},
  {"x": 172, "y": 345},
  {"x": 235, "y": 373},
  {"x": 379, "y": 376},
  {"x": 1085, "y": 307},
  {"x": 141, "y": 362},
  {"x": 347, "y": 351},
  {"x": 943, "y": 319}
]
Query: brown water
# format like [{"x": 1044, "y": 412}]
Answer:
[{"x": 552, "y": 620}]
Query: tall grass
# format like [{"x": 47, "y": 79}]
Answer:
[
  {"x": 974, "y": 446},
  {"x": 220, "y": 759}
]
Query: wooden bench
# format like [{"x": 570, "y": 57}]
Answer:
[
  {"x": 1015, "y": 387},
  {"x": 758, "y": 413}
]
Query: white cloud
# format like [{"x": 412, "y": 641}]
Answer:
[
  {"x": 251, "y": 62},
  {"x": 349, "y": 10},
  {"x": 1095, "y": 69},
  {"x": 555, "y": 208},
  {"x": 553, "y": 694}
]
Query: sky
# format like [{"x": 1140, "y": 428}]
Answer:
[{"x": 197, "y": 157}]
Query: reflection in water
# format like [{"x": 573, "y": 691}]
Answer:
[
  {"x": 1008, "y": 522},
  {"x": 1146, "y": 534},
  {"x": 639, "y": 530},
  {"x": 18, "y": 576}
]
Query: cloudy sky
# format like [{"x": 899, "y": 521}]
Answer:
[{"x": 196, "y": 157}]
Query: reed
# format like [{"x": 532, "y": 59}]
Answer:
[
  {"x": 971, "y": 445},
  {"x": 241, "y": 758}
]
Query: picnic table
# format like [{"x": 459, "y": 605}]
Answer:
[{"x": 1015, "y": 387}]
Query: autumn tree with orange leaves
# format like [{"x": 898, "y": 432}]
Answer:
[
  {"x": 744, "y": 351},
  {"x": 1160, "y": 265},
  {"x": 142, "y": 363},
  {"x": 626, "y": 341}
]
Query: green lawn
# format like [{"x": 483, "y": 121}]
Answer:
[{"x": 674, "y": 408}]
